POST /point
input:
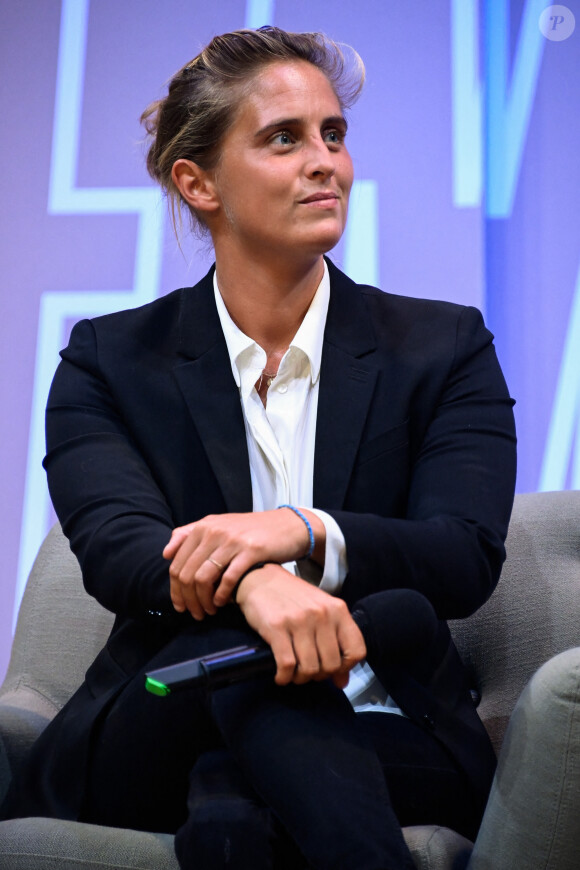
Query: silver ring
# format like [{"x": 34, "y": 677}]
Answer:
[{"x": 214, "y": 562}]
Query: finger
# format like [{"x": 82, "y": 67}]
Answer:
[
  {"x": 177, "y": 598},
  {"x": 217, "y": 576},
  {"x": 307, "y": 658},
  {"x": 199, "y": 595},
  {"x": 178, "y": 536},
  {"x": 283, "y": 652},
  {"x": 329, "y": 650},
  {"x": 185, "y": 598},
  {"x": 192, "y": 571},
  {"x": 351, "y": 642},
  {"x": 204, "y": 573},
  {"x": 186, "y": 551},
  {"x": 202, "y": 580},
  {"x": 237, "y": 566},
  {"x": 204, "y": 595},
  {"x": 192, "y": 604}
]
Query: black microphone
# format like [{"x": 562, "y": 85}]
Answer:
[{"x": 397, "y": 626}]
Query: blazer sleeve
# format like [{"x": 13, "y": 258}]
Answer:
[
  {"x": 104, "y": 493},
  {"x": 448, "y": 543}
]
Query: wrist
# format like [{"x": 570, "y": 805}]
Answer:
[
  {"x": 256, "y": 567},
  {"x": 310, "y": 545},
  {"x": 319, "y": 532}
]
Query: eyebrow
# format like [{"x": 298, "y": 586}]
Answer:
[{"x": 336, "y": 120}]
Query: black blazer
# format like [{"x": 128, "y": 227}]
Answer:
[{"x": 414, "y": 458}]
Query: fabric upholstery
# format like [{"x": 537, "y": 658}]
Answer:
[
  {"x": 435, "y": 848},
  {"x": 531, "y": 820},
  {"x": 532, "y": 616},
  {"x": 47, "y": 663},
  {"x": 78, "y": 846},
  {"x": 534, "y": 611},
  {"x": 27, "y": 844},
  {"x": 45, "y": 660}
]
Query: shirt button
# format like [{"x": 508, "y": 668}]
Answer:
[{"x": 283, "y": 388}]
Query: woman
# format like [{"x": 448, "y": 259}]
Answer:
[{"x": 255, "y": 454}]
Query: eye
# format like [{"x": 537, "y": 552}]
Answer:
[
  {"x": 283, "y": 138},
  {"x": 334, "y": 136}
]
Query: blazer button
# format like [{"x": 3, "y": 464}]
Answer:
[{"x": 428, "y": 721}]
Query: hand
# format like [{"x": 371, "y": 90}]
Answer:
[
  {"x": 208, "y": 557},
  {"x": 311, "y": 633}
]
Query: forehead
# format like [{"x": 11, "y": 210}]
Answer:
[{"x": 287, "y": 89}]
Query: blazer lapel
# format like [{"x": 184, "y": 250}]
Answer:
[
  {"x": 347, "y": 381},
  {"x": 211, "y": 394}
]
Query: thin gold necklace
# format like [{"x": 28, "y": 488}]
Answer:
[{"x": 269, "y": 378}]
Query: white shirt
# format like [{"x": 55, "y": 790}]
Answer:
[{"x": 281, "y": 439}]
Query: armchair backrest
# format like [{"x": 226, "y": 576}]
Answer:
[
  {"x": 59, "y": 632},
  {"x": 535, "y": 611}
]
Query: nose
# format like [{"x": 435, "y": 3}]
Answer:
[{"x": 320, "y": 161}]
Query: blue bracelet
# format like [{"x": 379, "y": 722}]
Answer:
[{"x": 308, "y": 526}]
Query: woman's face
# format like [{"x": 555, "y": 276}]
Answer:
[{"x": 284, "y": 175}]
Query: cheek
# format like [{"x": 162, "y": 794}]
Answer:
[
  {"x": 277, "y": 179},
  {"x": 347, "y": 173}
]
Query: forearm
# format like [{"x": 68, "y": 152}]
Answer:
[
  {"x": 118, "y": 538},
  {"x": 455, "y": 564}
]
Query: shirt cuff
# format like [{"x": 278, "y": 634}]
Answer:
[{"x": 335, "y": 561}]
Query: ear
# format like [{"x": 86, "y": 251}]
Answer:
[{"x": 195, "y": 185}]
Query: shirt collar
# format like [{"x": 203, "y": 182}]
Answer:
[{"x": 308, "y": 339}]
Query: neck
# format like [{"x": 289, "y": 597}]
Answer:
[{"x": 267, "y": 302}]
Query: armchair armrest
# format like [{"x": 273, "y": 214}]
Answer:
[{"x": 24, "y": 714}]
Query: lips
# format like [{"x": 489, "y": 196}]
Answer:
[{"x": 320, "y": 197}]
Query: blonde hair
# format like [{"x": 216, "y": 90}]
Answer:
[{"x": 200, "y": 106}]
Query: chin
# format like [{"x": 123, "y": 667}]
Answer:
[
  {"x": 329, "y": 243},
  {"x": 324, "y": 241}
]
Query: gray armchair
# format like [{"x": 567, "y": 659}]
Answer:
[{"x": 534, "y": 615}]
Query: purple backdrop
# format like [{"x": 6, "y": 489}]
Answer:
[{"x": 83, "y": 231}]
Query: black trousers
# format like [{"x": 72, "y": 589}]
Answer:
[{"x": 260, "y": 776}]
